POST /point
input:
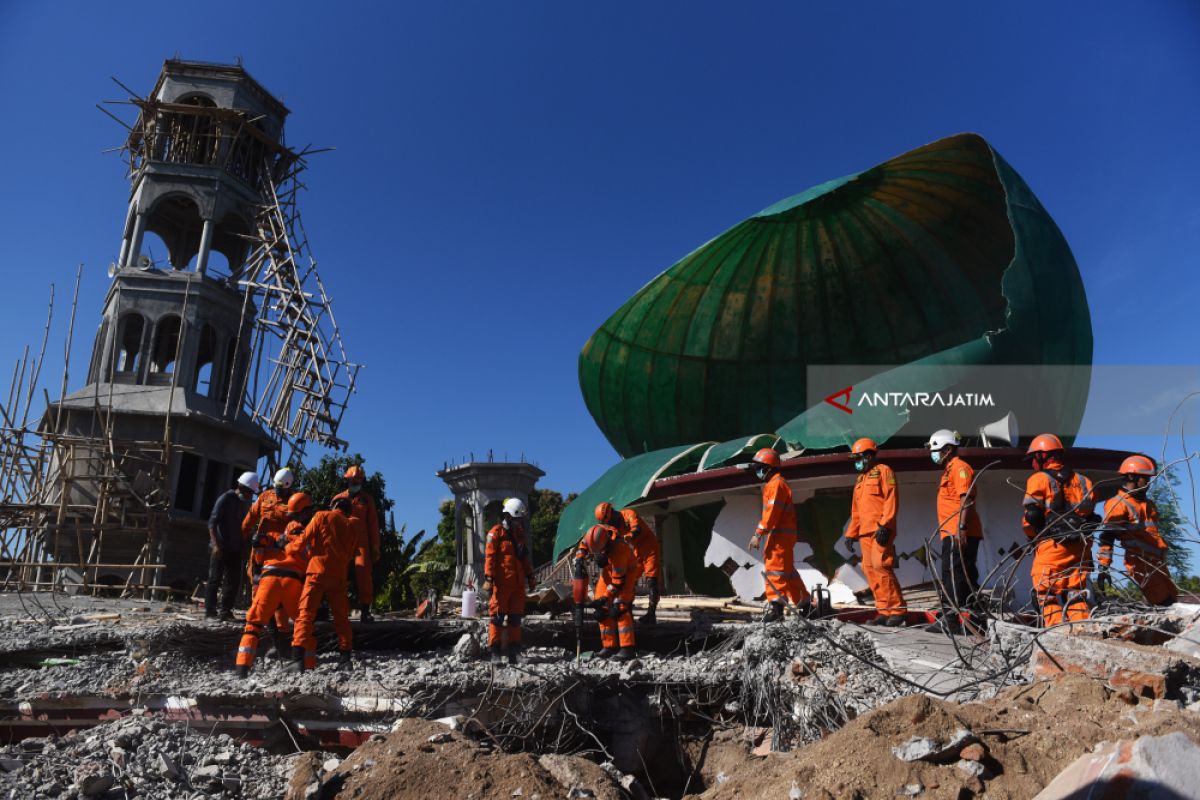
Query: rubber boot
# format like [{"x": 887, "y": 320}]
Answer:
[
  {"x": 283, "y": 645},
  {"x": 649, "y": 617},
  {"x": 894, "y": 621},
  {"x": 296, "y": 665},
  {"x": 514, "y": 654},
  {"x": 805, "y": 608},
  {"x": 626, "y": 654},
  {"x": 366, "y": 614},
  {"x": 345, "y": 657},
  {"x": 242, "y": 671},
  {"x": 774, "y": 612},
  {"x": 878, "y": 619},
  {"x": 497, "y": 658},
  {"x": 608, "y": 652}
]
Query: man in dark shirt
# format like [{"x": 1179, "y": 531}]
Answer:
[{"x": 225, "y": 542}]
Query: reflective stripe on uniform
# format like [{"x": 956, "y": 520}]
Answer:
[
  {"x": 782, "y": 573},
  {"x": 246, "y": 651},
  {"x": 624, "y": 630}
]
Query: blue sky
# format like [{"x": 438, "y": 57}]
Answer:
[{"x": 507, "y": 174}]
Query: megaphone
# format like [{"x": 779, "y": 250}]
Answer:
[{"x": 1002, "y": 431}]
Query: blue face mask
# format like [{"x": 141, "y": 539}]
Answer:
[
  {"x": 761, "y": 473},
  {"x": 860, "y": 464},
  {"x": 354, "y": 488},
  {"x": 936, "y": 455}
]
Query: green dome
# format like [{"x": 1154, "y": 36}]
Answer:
[{"x": 942, "y": 249}]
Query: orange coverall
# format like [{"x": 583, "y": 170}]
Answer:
[
  {"x": 1134, "y": 521},
  {"x": 616, "y": 584},
  {"x": 1061, "y": 562},
  {"x": 874, "y": 506},
  {"x": 268, "y": 515},
  {"x": 506, "y": 561},
  {"x": 331, "y": 539},
  {"x": 641, "y": 538},
  {"x": 366, "y": 551},
  {"x": 778, "y": 529},
  {"x": 277, "y": 592}
]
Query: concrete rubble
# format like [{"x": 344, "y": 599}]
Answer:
[{"x": 145, "y": 703}]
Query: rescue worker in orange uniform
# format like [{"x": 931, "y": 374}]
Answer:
[
  {"x": 279, "y": 584},
  {"x": 330, "y": 538},
  {"x": 613, "y": 595},
  {"x": 508, "y": 571},
  {"x": 641, "y": 537},
  {"x": 960, "y": 531},
  {"x": 1058, "y": 517},
  {"x": 265, "y": 522},
  {"x": 366, "y": 551},
  {"x": 1132, "y": 517},
  {"x": 873, "y": 525},
  {"x": 778, "y": 526}
]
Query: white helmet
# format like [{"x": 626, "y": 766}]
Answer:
[
  {"x": 941, "y": 438},
  {"x": 250, "y": 481},
  {"x": 514, "y": 508},
  {"x": 283, "y": 479}
]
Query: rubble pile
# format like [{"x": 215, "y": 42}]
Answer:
[
  {"x": 1009, "y": 747},
  {"x": 138, "y": 757},
  {"x": 805, "y": 680}
]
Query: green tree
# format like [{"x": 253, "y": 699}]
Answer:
[
  {"x": 434, "y": 565},
  {"x": 545, "y": 507},
  {"x": 1172, "y": 523},
  {"x": 324, "y": 481}
]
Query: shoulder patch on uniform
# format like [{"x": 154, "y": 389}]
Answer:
[
  {"x": 962, "y": 473},
  {"x": 891, "y": 480},
  {"x": 873, "y": 473}
]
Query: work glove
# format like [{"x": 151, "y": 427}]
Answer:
[
  {"x": 487, "y": 586},
  {"x": 653, "y": 594},
  {"x": 850, "y": 547},
  {"x": 1103, "y": 581},
  {"x": 881, "y": 537},
  {"x": 601, "y": 607},
  {"x": 755, "y": 540}
]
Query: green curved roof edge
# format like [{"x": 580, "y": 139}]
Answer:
[
  {"x": 736, "y": 450},
  {"x": 624, "y": 483}
]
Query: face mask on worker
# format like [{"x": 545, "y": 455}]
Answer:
[
  {"x": 762, "y": 473},
  {"x": 936, "y": 455},
  {"x": 283, "y": 492},
  {"x": 860, "y": 464},
  {"x": 506, "y": 522},
  {"x": 243, "y": 492},
  {"x": 354, "y": 488}
]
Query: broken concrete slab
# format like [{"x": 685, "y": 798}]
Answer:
[
  {"x": 1151, "y": 767},
  {"x": 925, "y": 749},
  {"x": 1149, "y": 671}
]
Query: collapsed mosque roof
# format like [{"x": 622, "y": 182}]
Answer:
[
  {"x": 931, "y": 265},
  {"x": 942, "y": 254}
]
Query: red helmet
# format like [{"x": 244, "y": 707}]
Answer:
[
  {"x": 299, "y": 502},
  {"x": 767, "y": 456},
  {"x": 1137, "y": 465},
  {"x": 863, "y": 445},
  {"x": 597, "y": 538},
  {"x": 1044, "y": 443},
  {"x": 604, "y": 512},
  {"x": 355, "y": 474}
]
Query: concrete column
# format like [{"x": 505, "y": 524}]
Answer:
[
  {"x": 205, "y": 246},
  {"x": 135, "y": 247},
  {"x": 124, "y": 252}
]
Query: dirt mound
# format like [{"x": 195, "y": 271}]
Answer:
[
  {"x": 1026, "y": 735},
  {"x": 423, "y": 759}
]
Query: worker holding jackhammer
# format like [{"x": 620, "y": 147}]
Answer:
[
  {"x": 508, "y": 571},
  {"x": 641, "y": 537},
  {"x": 1132, "y": 517},
  {"x": 776, "y": 533},
  {"x": 613, "y": 596},
  {"x": 1058, "y": 518},
  {"x": 280, "y": 583},
  {"x": 331, "y": 539}
]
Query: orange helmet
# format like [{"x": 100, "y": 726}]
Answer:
[
  {"x": 597, "y": 538},
  {"x": 299, "y": 502},
  {"x": 1044, "y": 443},
  {"x": 604, "y": 512},
  {"x": 355, "y": 473},
  {"x": 863, "y": 445},
  {"x": 767, "y": 456},
  {"x": 1137, "y": 465}
]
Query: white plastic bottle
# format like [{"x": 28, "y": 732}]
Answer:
[{"x": 468, "y": 602}]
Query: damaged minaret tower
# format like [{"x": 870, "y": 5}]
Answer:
[{"x": 211, "y": 356}]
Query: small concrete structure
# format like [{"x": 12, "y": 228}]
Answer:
[{"x": 480, "y": 488}]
